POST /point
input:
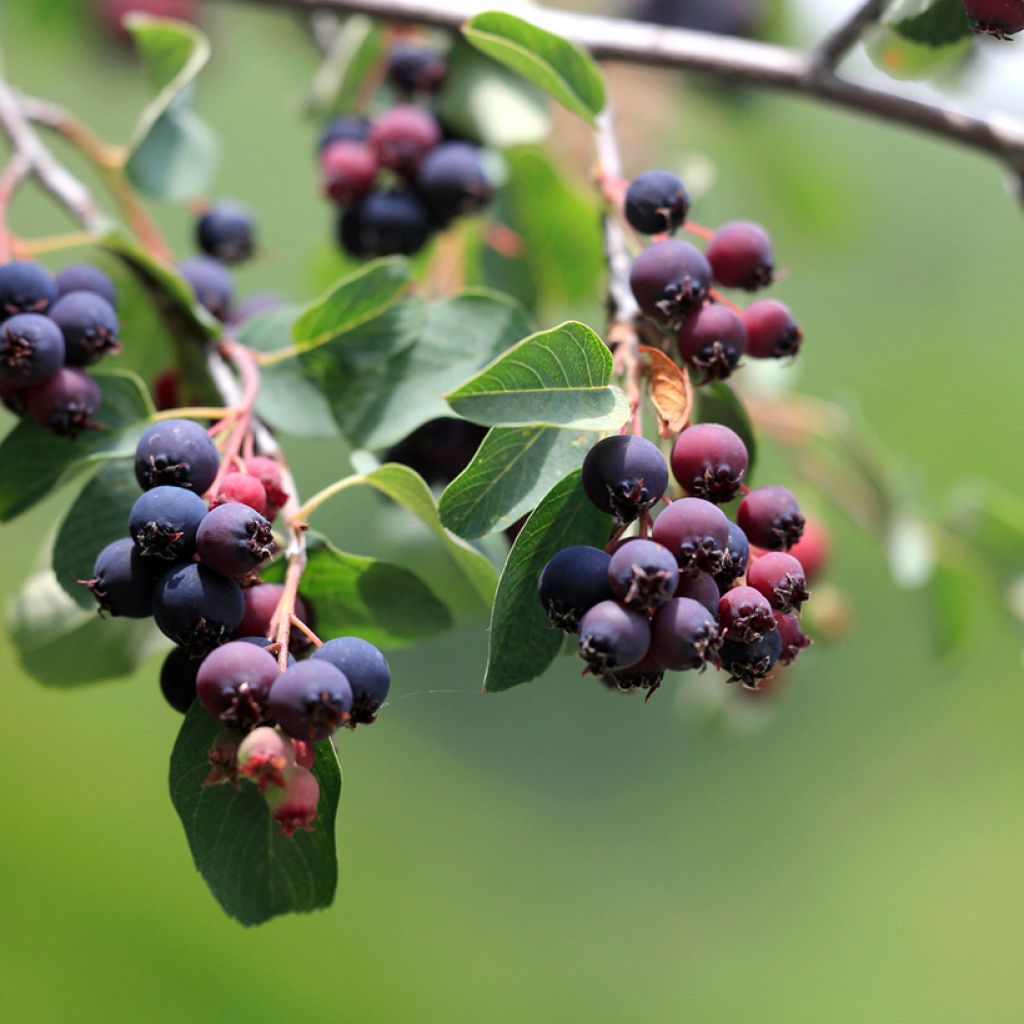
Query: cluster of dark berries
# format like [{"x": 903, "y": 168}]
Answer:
[
  {"x": 691, "y": 593},
  {"x": 999, "y": 18},
  {"x": 50, "y": 329},
  {"x": 672, "y": 282},
  {"x": 397, "y": 179}
]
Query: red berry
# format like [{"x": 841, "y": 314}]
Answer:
[
  {"x": 812, "y": 549},
  {"x": 347, "y": 171},
  {"x": 259, "y": 603},
  {"x": 771, "y": 518},
  {"x": 696, "y": 532},
  {"x": 741, "y": 256},
  {"x": 305, "y": 753},
  {"x": 295, "y": 806},
  {"x": 166, "y": 390},
  {"x": 712, "y": 340},
  {"x": 264, "y": 756},
  {"x": 709, "y": 460},
  {"x": 780, "y": 578},
  {"x": 1000, "y": 18},
  {"x": 669, "y": 280},
  {"x": 772, "y": 333},
  {"x": 744, "y": 615},
  {"x": 794, "y": 639},
  {"x": 244, "y": 489},
  {"x": 268, "y": 472},
  {"x": 403, "y": 136}
]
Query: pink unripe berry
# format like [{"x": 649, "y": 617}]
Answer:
[
  {"x": 268, "y": 472},
  {"x": 305, "y": 753},
  {"x": 347, "y": 171},
  {"x": 244, "y": 489},
  {"x": 812, "y": 549},
  {"x": 264, "y": 756},
  {"x": 740, "y": 254},
  {"x": 294, "y": 806}
]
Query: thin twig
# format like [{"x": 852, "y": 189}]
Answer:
[
  {"x": 17, "y": 169},
  {"x": 845, "y": 36}
]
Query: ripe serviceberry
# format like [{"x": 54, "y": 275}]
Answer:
[
  {"x": 243, "y": 488},
  {"x": 384, "y": 224},
  {"x": 771, "y": 518},
  {"x": 31, "y": 349},
  {"x": 66, "y": 403},
  {"x": 164, "y": 521},
  {"x": 402, "y": 136},
  {"x": 684, "y": 635},
  {"x": 737, "y": 555},
  {"x": 624, "y": 475},
  {"x": 439, "y": 450},
  {"x": 25, "y": 288},
  {"x": 572, "y": 582},
  {"x": 260, "y": 603},
  {"x": 772, "y": 333},
  {"x": 703, "y": 589},
  {"x": 744, "y": 615},
  {"x": 264, "y": 756},
  {"x": 227, "y": 232},
  {"x": 750, "y": 663},
  {"x": 741, "y": 256},
  {"x": 366, "y": 670},
  {"x": 656, "y": 203},
  {"x": 89, "y": 325},
  {"x": 84, "y": 277},
  {"x": 643, "y": 575},
  {"x": 709, "y": 461},
  {"x": 211, "y": 284},
  {"x": 344, "y": 129},
  {"x": 793, "y": 638},
  {"x": 780, "y": 577},
  {"x": 178, "y": 679},
  {"x": 295, "y": 805},
  {"x": 234, "y": 683},
  {"x": 311, "y": 700},
  {"x": 613, "y": 637},
  {"x": 696, "y": 532},
  {"x": 452, "y": 182},
  {"x": 197, "y": 608},
  {"x": 812, "y": 549},
  {"x": 123, "y": 581},
  {"x": 178, "y": 453},
  {"x": 414, "y": 68},
  {"x": 347, "y": 171},
  {"x": 999, "y": 18},
  {"x": 646, "y": 674},
  {"x": 670, "y": 280},
  {"x": 223, "y": 758},
  {"x": 712, "y": 340},
  {"x": 234, "y": 539},
  {"x": 268, "y": 472}
]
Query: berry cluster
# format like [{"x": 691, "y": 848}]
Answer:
[
  {"x": 50, "y": 329},
  {"x": 695, "y": 591},
  {"x": 397, "y": 179},
  {"x": 999, "y": 18},
  {"x": 672, "y": 282}
]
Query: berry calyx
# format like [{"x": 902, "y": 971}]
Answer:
[
  {"x": 696, "y": 532},
  {"x": 741, "y": 255},
  {"x": 89, "y": 325},
  {"x": 780, "y": 578},
  {"x": 31, "y": 349},
  {"x": 295, "y": 805},
  {"x": 750, "y": 663},
  {"x": 737, "y": 555},
  {"x": 684, "y": 635},
  {"x": 771, "y": 518},
  {"x": 234, "y": 539},
  {"x": 669, "y": 280},
  {"x": 624, "y": 475},
  {"x": 66, "y": 403},
  {"x": 656, "y": 203},
  {"x": 311, "y": 700},
  {"x": 710, "y": 461},
  {"x": 164, "y": 521},
  {"x": 227, "y": 231},
  {"x": 178, "y": 453},
  {"x": 122, "y": 581},
  {"x": 643, "y": 575},
  {"x": 223, "y": 758},
  {"x": 264, "y": 756},
  {"x": 572, "y": 582},
  {"x": 613, "y": 637},
  {"x": 772, "y": 331},
  {"x": 712, "y": 340},
  {"x": 197, "y": 608},
  {"x": 234, "y": 682},
  {"x": 366, "y": 670},
  {"x": 744, "y": 615}
]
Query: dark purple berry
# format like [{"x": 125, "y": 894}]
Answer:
[
  {"x": 227, "y": 232},
  {"x": 163, "y": 523},
  {"x": 366, "y": 670},
  {"x": 670, "y": 280},
  {"x": 750, "y": 663},
  {"x": 84, "y": 277},
  {"x": 709, "y": 460},
  {"x": 311, "y": 700},
  {"x": 176, "y": 452},
  {"x": 89, "y": 325},
  {"x": 573, "y": 581},
  {"x": 780, "y": 578},
  {"x": 344, "y": 129},
  {"x": 439, "y": 450},
  {"x": 452, "y": 182},
  {"x": 25, "y": 288},
  {"x": 234, "y": 539},
  {"x": 261, "y": 602},
  {"x": 656, "y": 203},
  {"x": 647, "y": 674},
  {"x": 66, "y": 403},
  {"x": 384, "y": 224},
  {"x": 31, "y": 349},
  {"x": 643, "y": 574},
  {"x": 793, "y": 638},
  {"x": 122, "y": 581},
  {"x": 178, "y": 679},
  {"x": 744, "y": 615},
  {"x": 234, "y": 683},
  {"x": 347, "y": 171},
  {"x": 613, "y": 637},
  {"x": 772, "y": 333},
  {"x": 696, "y": 532},
  {"x": 402, "y": 137},
  {"x": 684, "y": 635},
  {"x": 624, "y": 475},
  {"x": 415, "y": 69},
  {"x": 737, "y": 555},
  {"x": 771, "y": 518},
  {"x": 197, "y": 608},
  {"x": 211, "y": 284},
  {"x": 999, "y": 18},
  {"x": 712, "y": 340},
  {"x": 741, "y": 256},
  {"x": 703, "y": 589}
]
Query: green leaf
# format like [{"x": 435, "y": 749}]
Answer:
[
  {"x": 718, "y": 403},
  {"x": 34, "y": 459},
  {"x": 933, "y": 22},
  {"x": 952, "y": 593},
  {"x": 352, "y": 302},
  {"x": 357, "y": 47},
  {"x": 173, "y": 153},
  {"x": 560, "y": 68},
  {"x": 98, "y": 517},
  {"x": 254, "y": 872},
  {"x": 288, "y": 400},
  {"x": 383, "y": 603},
  {"x": 511, "y": 471},
  {"x": 555, "y": 378},
  {"x": 523, "y": 643},
  {"x": 62, "y": 645}
]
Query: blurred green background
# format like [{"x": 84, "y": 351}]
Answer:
[{"x": 559, "y": 852}]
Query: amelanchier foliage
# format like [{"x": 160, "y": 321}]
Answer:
[{"x": 586, "y": 488}]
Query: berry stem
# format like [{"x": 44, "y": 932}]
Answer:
[
  {"x": 724, "y": 300},
  {"x": 697, "y": 229},
  {"x": 13, "y": 175},
  {"x": 302, "y": 514},
  {"x": 306, "y": 631},
  {"x": 245, "y": 362},
  {"x": 194, "y": 412}
]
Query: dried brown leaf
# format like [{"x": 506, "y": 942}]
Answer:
[{"x": 671, "y": 391}]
